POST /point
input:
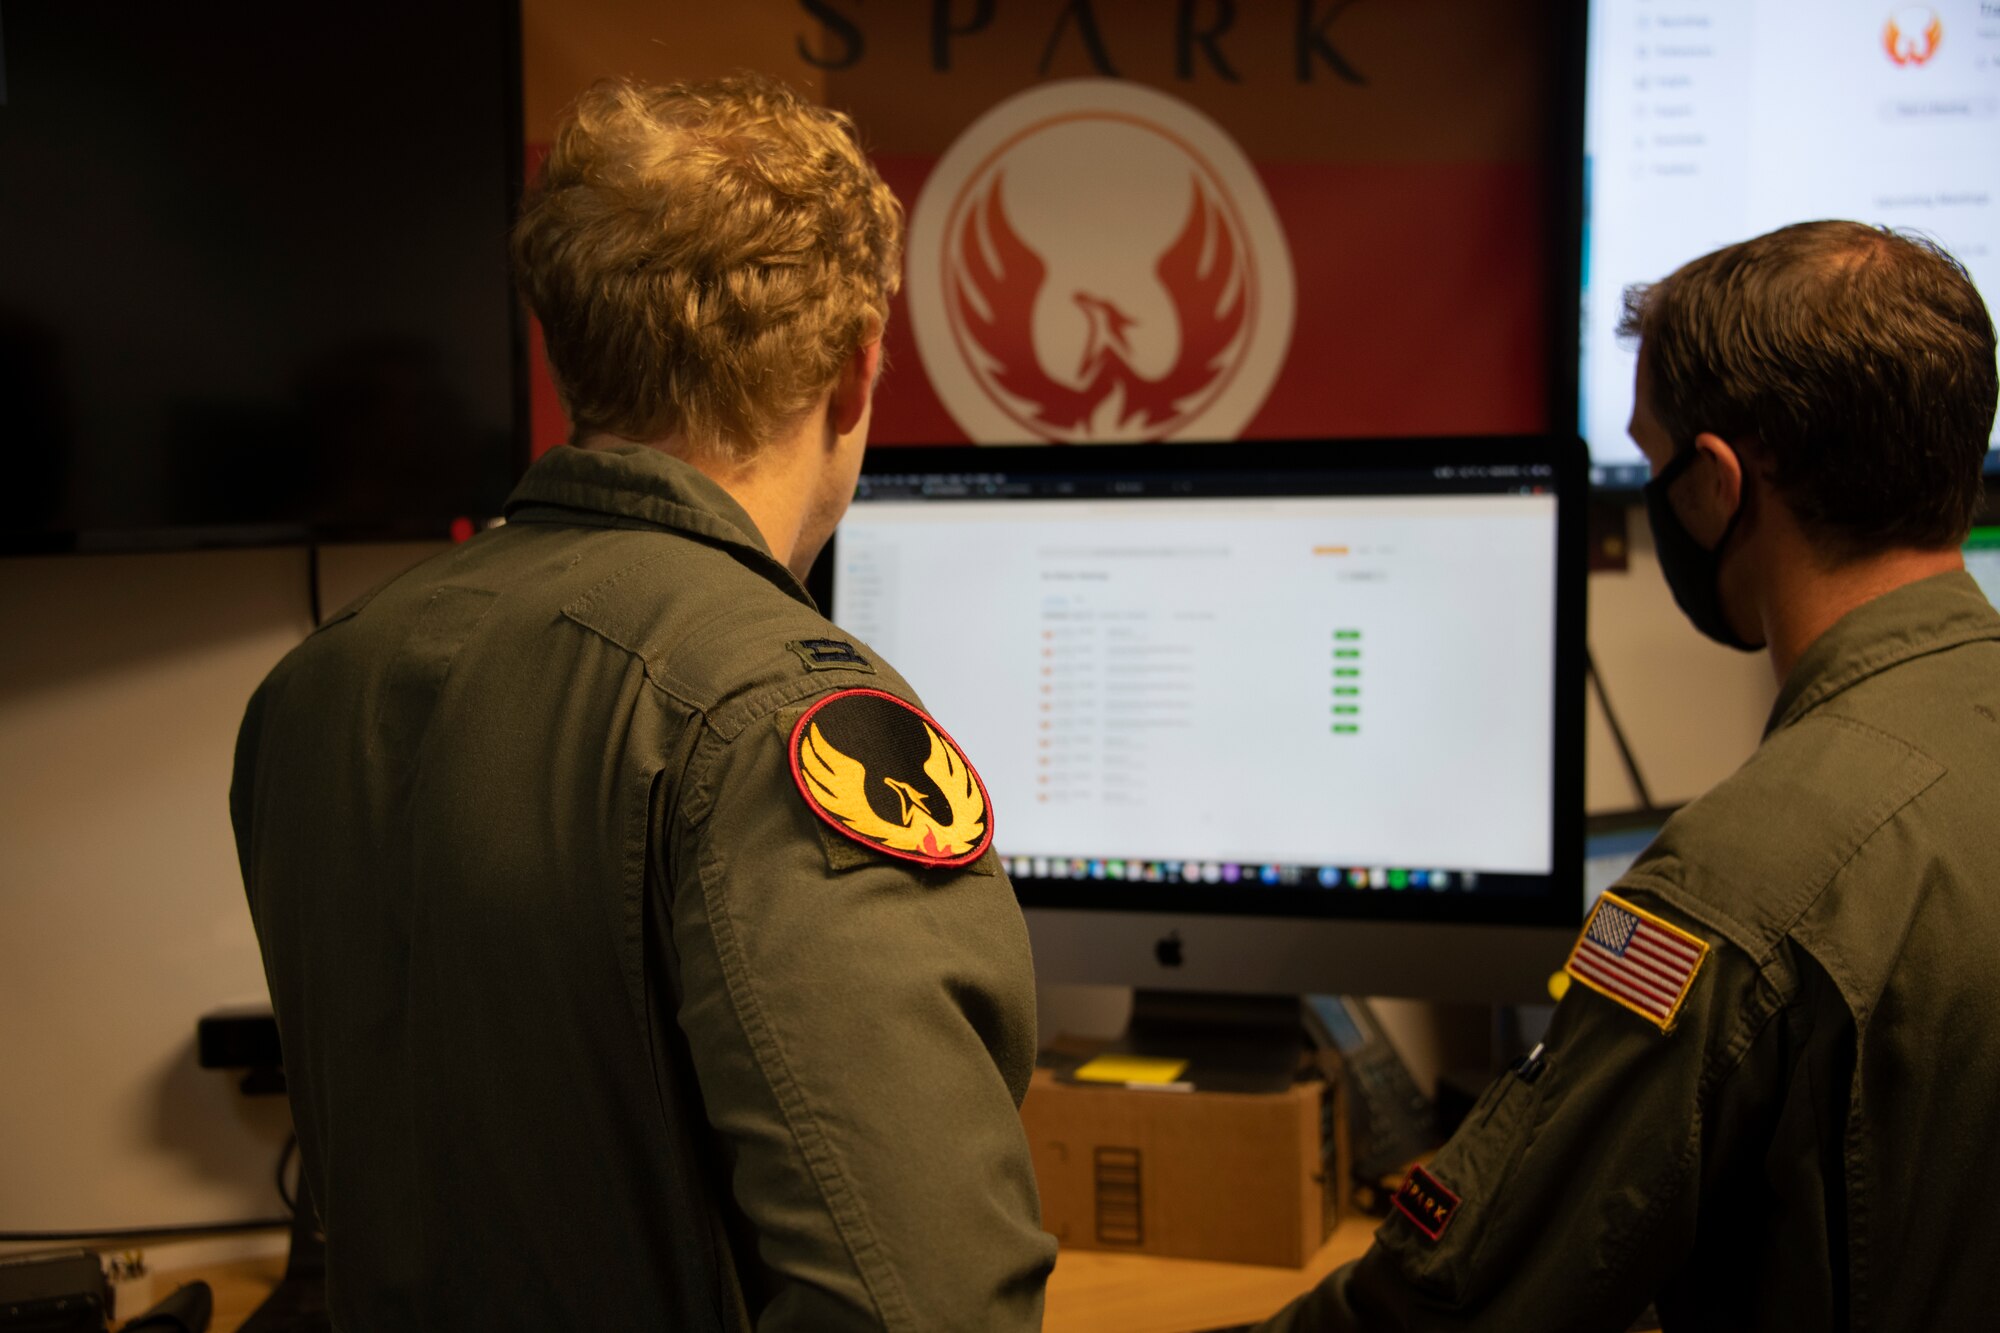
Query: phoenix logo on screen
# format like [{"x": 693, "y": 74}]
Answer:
[
  {"x": 1912, "y": 35},
  {"x": 1093, "y": 261}
]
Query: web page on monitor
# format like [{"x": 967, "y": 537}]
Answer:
[
  {"x": 1200, "y": 682},
  {"x": 1711, "y": 121}
]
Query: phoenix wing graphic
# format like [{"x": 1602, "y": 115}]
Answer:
[
  {"x": 1211, "y": 303},
  {"x": 841, "y": 785},
  {"x": 1201, "y": 272},
  {"x": 968, "y": 808},
  {"x": 1907, "y": 50},
  {"x": 1006, "y": 285}
]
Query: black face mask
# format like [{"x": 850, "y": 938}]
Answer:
[{"x": 1693, "y": 571}]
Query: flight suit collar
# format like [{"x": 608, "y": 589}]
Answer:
[
  {"x": 638, "y": 487},
  {"x": 1927, "y": 616}
]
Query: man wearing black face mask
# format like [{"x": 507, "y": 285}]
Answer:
[{"x": 1766, "y": 1100}]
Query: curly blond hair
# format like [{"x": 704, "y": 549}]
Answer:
[{"x": 704, "y": 257}]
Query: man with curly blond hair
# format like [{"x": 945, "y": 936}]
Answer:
[{"x": 635, "y": 937}]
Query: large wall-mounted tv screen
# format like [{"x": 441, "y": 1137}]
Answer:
[
  {"x": 1711, "y": 122},
  {"x": 254, "y": 282}
]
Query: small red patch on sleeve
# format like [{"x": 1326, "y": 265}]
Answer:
[{"x": 1429, "y": 1205}]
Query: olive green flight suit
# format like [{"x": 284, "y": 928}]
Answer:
[
  {"x": 1812, "y": 1144},
  {"x": 590, "y": 1022}
]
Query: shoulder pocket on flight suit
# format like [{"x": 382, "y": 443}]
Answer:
[{"x": 1473, "y": 1168}]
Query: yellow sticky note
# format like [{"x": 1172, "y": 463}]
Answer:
[{"x": 1130, "y": 1069}]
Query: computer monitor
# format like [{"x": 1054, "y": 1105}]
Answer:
[
  {"x": 1254, "y": 718},
  {"x": 1612, "y": 845},
  {"x": 1706, "y": 124},
  {"x": 1982, "y": 560}
]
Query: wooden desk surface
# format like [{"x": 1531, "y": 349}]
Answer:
[
  {"x": 239, "y": 1288},
  {"x": 1130, "y": 1293},
  {"x": 1090, "y": 1292}
]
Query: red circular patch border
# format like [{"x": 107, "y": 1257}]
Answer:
[{"x": 799, "y": 780}]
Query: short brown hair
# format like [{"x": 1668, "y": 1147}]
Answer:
[
  {"x": 703, "y": 258},
  {"x": 1855, "y": 362}
]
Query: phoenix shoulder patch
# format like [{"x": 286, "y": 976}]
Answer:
[
  {"x": 1636, "y": 959},
  {"x": 880, "y": 771}
]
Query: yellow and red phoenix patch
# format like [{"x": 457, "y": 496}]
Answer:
[{"x": 880, "y": 771}]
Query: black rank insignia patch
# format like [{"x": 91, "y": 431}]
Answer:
[
  {"x": 881, "y": 772},
  {"x": 1426, "y": 1203},
  {"x": 826, "y": 654}
]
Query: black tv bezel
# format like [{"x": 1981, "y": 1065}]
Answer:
[
  {"x": 1570, "y": 47},
  {"x": 1558, "y": 900}
]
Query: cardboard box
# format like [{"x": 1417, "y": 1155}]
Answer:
[{"x": 1241, "y": 1177}]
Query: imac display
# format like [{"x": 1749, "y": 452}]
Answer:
[
  {"x": 1711, "y": 121},
  {"x": 1252, "y": 718}
]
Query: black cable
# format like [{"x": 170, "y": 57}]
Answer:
[
  {"x": 312, "y": 583},
  {"x": 285, "y": 1160},
  {"x": 148, "y": 1233},
  {"x": 1618, "y": 733}
]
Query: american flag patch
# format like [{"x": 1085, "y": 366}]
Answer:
[{"x": 1635, "y": 958}]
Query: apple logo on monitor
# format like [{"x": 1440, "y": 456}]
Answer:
[{"x": 1168, "y": 950}]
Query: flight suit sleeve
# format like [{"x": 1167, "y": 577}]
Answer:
[
  {"x": 1567, "y": 1197},
  {"x": 862, "y": 1030},
  {"x": 243, "y": 779}
]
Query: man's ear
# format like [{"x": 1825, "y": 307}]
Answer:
[
  {"x": 1713, "y": 489},
  {"x": 856, "y": 384}
]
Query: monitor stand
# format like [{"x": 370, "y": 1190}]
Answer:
[{"x": 1232, "y": 1043}]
